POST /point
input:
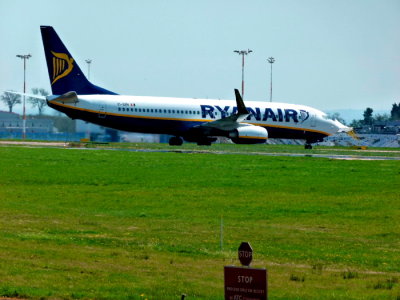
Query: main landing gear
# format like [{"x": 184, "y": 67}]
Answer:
[
  {"x": 307, "y": 146},
  {"x": 175, "y": 141}
]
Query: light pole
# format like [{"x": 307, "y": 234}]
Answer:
[
  {"x": 271, "y": 60},
  {"x": 88, "y": 61},
  {"x": 24, "y": 57},
  {"x": 243, "y": 53}
]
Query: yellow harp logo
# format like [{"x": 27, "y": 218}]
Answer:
[{"x": 62, "y": 65}]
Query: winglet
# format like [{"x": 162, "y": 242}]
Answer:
[{"x": 242, "y": 110}]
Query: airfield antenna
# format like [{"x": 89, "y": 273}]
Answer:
[
  {"x": 243, "y": 53},
  {"x": 24, "y": 57},
  {"x": 271, "y": 60},
  {"x": 88, "y": 61}
]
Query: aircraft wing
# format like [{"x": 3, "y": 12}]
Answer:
[{"x": 231, "y": 122}]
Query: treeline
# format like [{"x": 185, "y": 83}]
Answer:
[{"x": 369, "y": 118}]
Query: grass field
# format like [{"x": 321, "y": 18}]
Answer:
[{"x": 98, "y": 224}]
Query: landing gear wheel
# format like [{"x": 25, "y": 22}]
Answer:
[
  {"x": 175, "y": 141},
  {"x": 307, "y": 146}
]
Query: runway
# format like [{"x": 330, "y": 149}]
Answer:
[{"x": 209, "y": 150}]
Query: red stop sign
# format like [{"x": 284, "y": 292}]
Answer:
[{"x": 245, "y": 253}]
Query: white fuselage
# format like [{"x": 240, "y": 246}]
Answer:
[{"x": 176, "y": 115}]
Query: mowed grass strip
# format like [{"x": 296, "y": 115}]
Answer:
[
  {"x": 125, "y": 225},
  {"x": 261, "y": 148}
]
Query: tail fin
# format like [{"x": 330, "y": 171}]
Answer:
[{"x": 64, "y": 73}]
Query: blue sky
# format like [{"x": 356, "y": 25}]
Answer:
[{"x": 331, "y": 54}]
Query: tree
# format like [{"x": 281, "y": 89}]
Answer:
[
  {"x": 37, "y": 102},
  {"x": 356, "y": 123},
  {"x": 395, "y": 112},
  {"x": 10, "y": 100},
  {"x": 382, "y": 118},
  {"x": 368, "y": 116}
]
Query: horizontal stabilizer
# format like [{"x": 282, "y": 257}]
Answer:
[{"x": 70, "y": 97}]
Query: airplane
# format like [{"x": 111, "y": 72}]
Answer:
[{"x": 193, "y": 120}]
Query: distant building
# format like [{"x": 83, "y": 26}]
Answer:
[
  {"x": 381, "y": 127},
  {"x": 103, "y": 134},
  {"x": 12, "y": 123},
  {"x": 393, "y": 127}
]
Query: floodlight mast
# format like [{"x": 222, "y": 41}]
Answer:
[
  {"x": 243, "y": 53},
  {"x": 271, "y": 60},
  {"x": 24, "y": 57},
  {"x": 88, "y": 61}
]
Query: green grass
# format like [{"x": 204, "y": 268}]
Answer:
[
  {"x": 262, "y": 148},
  {"x": 84, "y": 224}
]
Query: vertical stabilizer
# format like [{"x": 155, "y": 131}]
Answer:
[{"x": 64, "y": 73}]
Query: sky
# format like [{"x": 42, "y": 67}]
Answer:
[{"x": 330, "y": 54}]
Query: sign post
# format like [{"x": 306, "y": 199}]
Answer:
[{"x": 243, "y": 283}]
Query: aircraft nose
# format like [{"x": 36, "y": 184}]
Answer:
[{"x": 341, "y": 127}]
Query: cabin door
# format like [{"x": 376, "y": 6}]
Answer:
[{"x": 102, "y": 111}]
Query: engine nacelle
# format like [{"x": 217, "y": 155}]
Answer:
[{"x": 249, "y": 134}]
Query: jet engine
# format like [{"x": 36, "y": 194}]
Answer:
[{"x": 249, "y": 134}]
